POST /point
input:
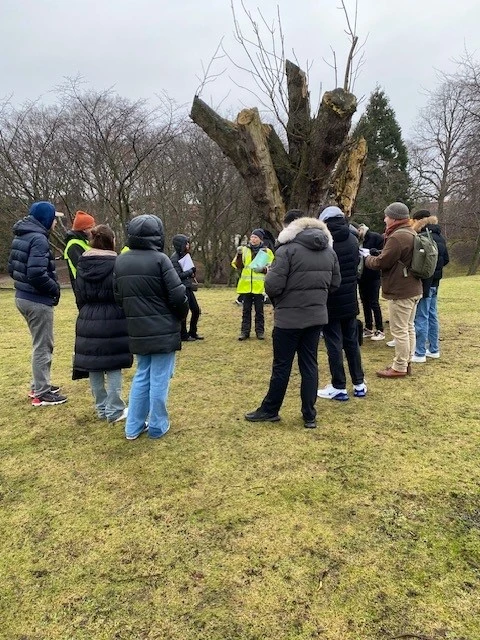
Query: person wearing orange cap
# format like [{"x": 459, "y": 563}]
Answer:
[{"x": 76, "y": 242}]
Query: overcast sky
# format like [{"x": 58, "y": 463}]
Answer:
[{"x": 143, "y": 47}]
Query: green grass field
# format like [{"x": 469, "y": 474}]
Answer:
[{"x": 366, "y": 528}]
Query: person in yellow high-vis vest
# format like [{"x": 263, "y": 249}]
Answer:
[
  {"x": 77, "y": 242},
  {"x": 251, "y": 283}
]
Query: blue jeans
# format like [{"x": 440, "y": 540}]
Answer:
[
  {"x": 426, "y": 324},
  {"x": 148, "y": 395},
  {"x": 108, "y": 401}
]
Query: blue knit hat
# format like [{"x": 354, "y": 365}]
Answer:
[{"x": 44, "y": 212}]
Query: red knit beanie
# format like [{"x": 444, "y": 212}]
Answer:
[{"x": 83, "y": 221}]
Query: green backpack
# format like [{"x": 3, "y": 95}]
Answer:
[{"x": 425, "y": 254}]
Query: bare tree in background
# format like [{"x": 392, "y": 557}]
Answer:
[
  {"x": 110, "y": 142},
  {"x": 300, "y": 175},
  {"x": 440, "y": 135}
]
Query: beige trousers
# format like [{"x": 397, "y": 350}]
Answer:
[{"x": 402, "y": 328}]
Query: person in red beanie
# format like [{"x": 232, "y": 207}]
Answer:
[{"x": 76, "y": 242}]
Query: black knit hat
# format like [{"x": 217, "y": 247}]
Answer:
[
  {"x": 421, "y": 214},
  {"x": 260, "y": 233}
]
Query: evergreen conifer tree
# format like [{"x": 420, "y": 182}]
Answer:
[{"x": 385, "y": 177}]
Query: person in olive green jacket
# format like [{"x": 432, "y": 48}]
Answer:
[{"x": 251, "y": 283}]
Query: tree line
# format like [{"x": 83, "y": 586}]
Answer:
[{"x": 116, "y": 157}]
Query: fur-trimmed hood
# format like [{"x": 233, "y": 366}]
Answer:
[
  {"x": 419, "y": 225},
  {"x": 310, "y": 232}
]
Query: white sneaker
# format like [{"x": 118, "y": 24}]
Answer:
[
  {"x": 360, "y": 390},
  {"x": 378, "y": 335},
  {"x": 418, "y": 359},
  {"x": 367, "y": 333},
  {"x": 330, "y": 393},
  {"x": 429, "y": 354},
  {"x": 391, "y": 343},
  {"x": 122, "y": 417}
]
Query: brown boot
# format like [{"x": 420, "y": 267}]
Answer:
[{"x": 391, "y": 373}]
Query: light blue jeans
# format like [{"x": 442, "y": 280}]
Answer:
[
  {"x": 148, "y": 395},
  {"x": 426, "y": 324},
  {"x": 108, "y": 401}
]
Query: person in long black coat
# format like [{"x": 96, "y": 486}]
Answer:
[
  {"x": 101, "y": 335},
  {"x": 341, "y": 332}
]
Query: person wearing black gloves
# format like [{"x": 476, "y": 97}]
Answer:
[
  {"x": 32, "y": 267},
  {"x": 181, "y": 258}
]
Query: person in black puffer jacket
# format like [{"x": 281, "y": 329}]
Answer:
[
  {"x": 101, "y": 336},
  {"x": 303, "y": 273},
  {"x": 154, "y": 301},
  {"x": 427, "y": 328},
  {"x": 341, "y": 332},
  {"x": 32, "y": 267},
  {"x": 181, "y": 244},
  {"x": 369, "y": 286}
]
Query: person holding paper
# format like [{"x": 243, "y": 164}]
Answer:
[
  {"x": 184, "y": 266},
  {"x": 253, "y": 261}
]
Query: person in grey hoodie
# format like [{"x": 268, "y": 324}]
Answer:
[{"x": 304, "y": 272}]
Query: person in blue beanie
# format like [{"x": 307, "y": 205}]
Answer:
[{"x": 32, "y": 267}]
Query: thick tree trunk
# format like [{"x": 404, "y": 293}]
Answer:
[
  {"x": 301, "y": 177},
  {"x": 348, "y": 175},
  {"x": 246, "y": 143}
]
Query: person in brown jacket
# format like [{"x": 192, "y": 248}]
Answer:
[{"x": 399, "y": 286}]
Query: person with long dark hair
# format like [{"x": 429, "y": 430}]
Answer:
[{"x": 101, "y": 336}]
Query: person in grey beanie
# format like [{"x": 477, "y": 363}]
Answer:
[{"x": 399, "y": 286}]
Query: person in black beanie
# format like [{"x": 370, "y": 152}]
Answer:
[
  {"x": 181, "y": 244},
  {"x": 252, "y": 283},
  {"x": 427, "y": 328},
  {"x": 369, "y": 286}
]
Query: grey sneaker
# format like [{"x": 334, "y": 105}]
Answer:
[{"x": 47, "y": 399}]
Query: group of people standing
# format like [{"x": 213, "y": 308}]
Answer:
[
  {"x": 136, "y": 303},
  {"x": 312, "y": 284},
  {"x": 133, "y": 303}
]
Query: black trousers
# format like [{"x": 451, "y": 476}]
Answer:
[
  {"x": 341, "y": 335},
  {"x": 369, "y": 291},
  {"x": 287, "y": 342},
  {"x": 250, "y": 300},
  {"x": 195, "y": 315}
]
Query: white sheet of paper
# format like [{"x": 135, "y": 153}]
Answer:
[
  {"x": 364, "y": 252},
  {"x": 186, "y": 262}
]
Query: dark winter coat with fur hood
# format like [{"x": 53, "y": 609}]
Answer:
[
  {"x": 431, "y": 223},
  {"x": 304, "y": 272}
]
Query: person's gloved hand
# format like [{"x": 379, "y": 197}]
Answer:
[
  {"x": 375, "y": 252},
  {"x": 193, "y": 270}
]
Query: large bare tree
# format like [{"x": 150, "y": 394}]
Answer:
[{"x": 291, "y": 165}]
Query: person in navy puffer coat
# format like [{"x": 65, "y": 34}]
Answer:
[
  {"x": 341, "y": 332},
  {"x": 32, "y": 267},
  {"x": 101, "y": 336}
]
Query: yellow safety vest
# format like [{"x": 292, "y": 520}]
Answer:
[
  {"x": 250, "y": 281},
  {"x": 83, "y": 243}
]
